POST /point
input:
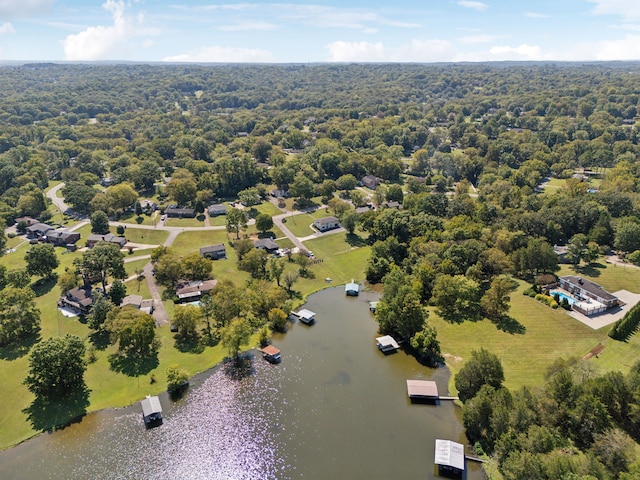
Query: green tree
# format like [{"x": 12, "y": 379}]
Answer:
[
  {"x": 350, "y": 221},
  {"x": 346, "y": 182},
  {"x": 395, "y": 194},
  {"x": 78, "y": 195},
  {"x": 18, "y": 278},
  {"x": 249, "y": 197},
  {"x": 196, "y": 267},
  {"x": 456, "y": 297},
  {"x": 177, "y": 378},
  {"x": 264, "y": 222},
  {"x": 99, "y": 223},
  {"x": 483, "y": 368},
  {"x": 426, "y": 344},
  {"x": 182, "y": 190},
  {"x": 117, "y": 292},
  {"x": 278, "y": 320},
  {"x": 276, "y": 267},
  {"x": 186, "y": 320},
  {"x": 41, "y": 260},
  {"x": 169, "y": 269},
  {"x": 133, "y": 331},
  {"x": 68, "y": 280},
  {"x": 56, "y": 367},
  {"x": 122, "y": 196},
  {"x": 302, "y": 187},
  {"x": 627, "y": 237},
  {"x": 577, "y": 248},
  {"x": 236, "y": 335},
  {"x": 103, "y": 260},
  {"x": 495, "y": 301},
  {"x": 99, "y": 312},
  {"x": 19, "y": 315},
  {"x": 236, "y": 221},
  {"x": 255, "y": 262}
]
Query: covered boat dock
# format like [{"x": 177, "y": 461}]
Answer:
[
  {"x": 271, "y": 354},
  {"x": 387, "y": 344},
  {"x": 305, "y": 316},
  {"x": 151, "y": 411},
  {"x": 422, "y": 389},
  {"x": 449, "y": 456}
]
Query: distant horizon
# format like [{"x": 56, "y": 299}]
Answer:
[{"x": 321, "y": 31}]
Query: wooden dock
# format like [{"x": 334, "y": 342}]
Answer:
[
  {"x": 473, "y": 458},
  {"x": 447, "y": 398}
]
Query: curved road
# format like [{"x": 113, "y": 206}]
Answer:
[{"x": 160, "y": 313}]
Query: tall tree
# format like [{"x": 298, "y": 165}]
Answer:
[
  {"x": 41, "y": 260},
  {"x": 456, "y": 297},
  {"x": 19, "y": 315},
  {"x": 264, "y": 222},
  {"x": 236, "y": 335},
  {"x": 56, "y": 367},
  {"x": 495, "y": 301},
  {"x": 483, "y": 368},
  {"x": 99, "y": 223},
  {"x": 122, "y": 196},
  {"x": 134, "y": 331},
  {"x": 103, "y": 260},
  {"x": 236, "y": 221}
]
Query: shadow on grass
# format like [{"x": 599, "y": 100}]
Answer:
[
  {"x": 510, "y": 325},
  {"x": 355, "y": 240},
  {"x": 44, "y": 285},
  {"x": 190, "y": 344},
  {"x": 133, "y": 365},
  {"x": 239, "y": 367},
  {"x": 19, "y": 349},
  {"x": 99, "y": 339},
  {"x": 267, "y": 234},
  {"x": 591, "y": 270},
  {"x": 47, "y": 414}
]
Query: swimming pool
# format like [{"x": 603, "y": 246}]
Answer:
[{"x": 562, "y": 295}]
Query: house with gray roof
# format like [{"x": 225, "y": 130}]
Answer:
[
  {"x": 326, "y": 223},
  {"x": 214, "y": 252},
  {"x": 217, "y": 209}
]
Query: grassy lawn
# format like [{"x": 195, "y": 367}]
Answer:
[
  {"x": 541, "y": 334},
  {"x": 219, "y": 221},
  {"x": 184, "y": 222},
  {"x": 191, "y": 241},
  {"x": 554, "y": 185},
  {"x": 299, "y": 224},
  {"x": 143, "y": 219},
  {"x": 144, "y": 236}
]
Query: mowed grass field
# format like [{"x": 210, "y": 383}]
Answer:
[{"x": 541, "y": 334}]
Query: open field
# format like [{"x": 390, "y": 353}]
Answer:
[{"x": 541, "y": 335}]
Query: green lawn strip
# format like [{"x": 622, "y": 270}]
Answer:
[
  {"x": 611, "y": 277},
  {"x": 131, "y": 267},
  {"x": 136, "y": 252},
  {"x": 15, "y": 241},
  {"x": 268, "y": 208},
  {"x": 220, "y": 220},
  {"x": 554, "y": 185},
  {"x": 184, "y": 222},
  {"x": 284, "y": 242},
  {"x": 145, "y": 236},
  {"x": 143, "y": 219},
  {"x": 191, "y": 241},
  {"x": 299, "y": 224}
]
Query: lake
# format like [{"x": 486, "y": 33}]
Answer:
[{"x": 336, "y": 407}]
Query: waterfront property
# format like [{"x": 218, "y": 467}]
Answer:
[
  {"x": 590, "y": 297},
  {"x": 449, "y": 456},
  {"x": 151, "y": 411},
  {"x": 422, "y": 389},
  {"x": 305, "y": 316},
  {"x": 352, "y": 289},
  {"x": 387, "y": 344},
  {"x": 271, "y": 354}
]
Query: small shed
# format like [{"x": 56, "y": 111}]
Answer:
[
  {"x": 352, "y": 289},
  {"x": 449, "y": 456},
  {"x": 422, "y": 389},
  {"x": 373, "y": 306},
  {"x": 271, "y": 354},
  {"x": 151, "y": 411},
  {"x": 305, "y": 316},
  {"x": 387, "y": 344}
]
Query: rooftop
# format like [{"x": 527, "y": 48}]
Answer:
[
  {"x": 150, "y": 405},
  {"x": 422, "y": 389},
  {"x": 449, "y": 454}
]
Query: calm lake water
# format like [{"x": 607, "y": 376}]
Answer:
[{"x": 334, "y": 408}]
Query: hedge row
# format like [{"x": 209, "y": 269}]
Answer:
[{"x": 627, "y": 325}]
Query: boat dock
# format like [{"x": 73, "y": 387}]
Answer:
[{"x": 425, "y": 390}]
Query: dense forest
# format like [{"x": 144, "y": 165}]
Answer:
[{"x": 464, "y": 149}]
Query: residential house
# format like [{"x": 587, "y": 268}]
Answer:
[
  {"x": 79, "y": 300},
  {"x": 278, "y": 193},
  {"x": 177, "y": 212},
  {"x": 218, "y": 209},
  {"x": 584, "y": 289},
  {"x": 193, "y": 291},
  {"x": 393, "y": 204},
  {"x": 370, "y": 181},
  {"x": 266, "y": 244},
  {"x": 38, "y": 230},
  {"x": 561, "y": 251},
  {"x": 326, "y": 223},
  {"x": 61, "y": 237},
  {"x": 136, "y": 301},
  {"x": 28, "y": 221},
  {"x": 148, "y": 206},
  {"x": 214, "y": 252},
  {"x": 109, "y": 237},
  {"x": 365, "y": 209}
]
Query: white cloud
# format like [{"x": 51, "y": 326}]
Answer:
[
  {"x": 521, "y": 52},
  {"x": 249, "y": 26},
  {"x": 96, "y": 43},
  {"x": 473, "y": 39},
  {"x": 216, "y": 54},
  {"x": 627, "y": 48},
  {"x": 479, "y": 6},
  {"x": 628, "y": 9},
  {"x": 356, "y": 52},
  {"x": 535, "y": 15},
  {"x": 6, "y": 28},
  {"x": 430, "y": 50},
  {"x": 17, "y": 8}
]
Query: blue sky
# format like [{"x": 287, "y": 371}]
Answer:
[{"x": 319, "y": 31}]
